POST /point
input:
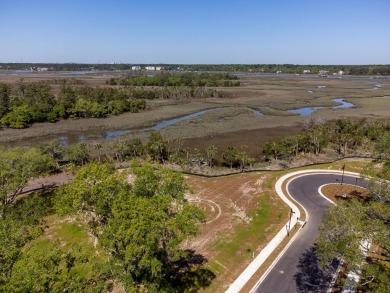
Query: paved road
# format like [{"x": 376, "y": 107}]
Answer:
[{"x": 298, "y": 269}]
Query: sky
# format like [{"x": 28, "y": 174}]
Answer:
[{"x": 196, "y": 32}]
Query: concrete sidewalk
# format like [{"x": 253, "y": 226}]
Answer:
[{"x": 247, "y": 274}]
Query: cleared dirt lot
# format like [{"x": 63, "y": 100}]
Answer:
[{"x": 242, "y": 213}]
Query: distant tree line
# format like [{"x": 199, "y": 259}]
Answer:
[
  {"x": 289, "y": 68},
  {"x": 179, "y": 79},
  {"x": 266, "y": 68}
]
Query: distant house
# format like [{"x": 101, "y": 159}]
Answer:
[
  {"x": 136, "y": 68},
  {"x": 306, "y": 71},
  {"x": 158, "y": 68},
  {"x": 323, "y": 73},
  {"x": 341, "y": 72},
  {"x": 39, "y": 68},
  {"x": 150, "y": 68},
  {"x": 279, "y": 71}
]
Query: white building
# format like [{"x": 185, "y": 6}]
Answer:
[
  {"x": 150, "y": 68},
  {"x": 323, "y": 73},
  {"x": 341, "y": 72},
  {"x": 136, "y": 68},
  {"x": 158, "y": 68},
  {"x": 306, "y": 71}
]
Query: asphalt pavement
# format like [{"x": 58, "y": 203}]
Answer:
[{"x": 298, "y": 270}]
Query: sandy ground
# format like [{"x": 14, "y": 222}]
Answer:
[{"x": 225, "y": 201}]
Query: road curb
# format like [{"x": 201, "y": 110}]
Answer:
[{"x": 251, "y": 269}]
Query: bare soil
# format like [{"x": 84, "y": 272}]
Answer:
[
  {"x": 338, "y": 192},
  {"x": 225, "y": 201},
  {"x": 242, "y": 213}
]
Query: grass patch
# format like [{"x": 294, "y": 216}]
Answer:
[
  {"x": 235, "y": 251},
  {"x": 71, "y": 234}
]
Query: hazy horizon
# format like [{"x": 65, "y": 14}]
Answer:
[{"x": 181, "y": 32}]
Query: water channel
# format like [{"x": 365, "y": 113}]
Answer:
[
  {"x": 112, "y": 134},
  {"x": 310, "y": 110}
]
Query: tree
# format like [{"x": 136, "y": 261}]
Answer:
[
  {"x": 271, "y": 149},
  {"x": 18, "y": 117},
  {"x": 81, "y": 108},
  {"x": 243, "y": 158},
  {"x": 348, "y": 228},
  {"x": 382, "y": 146},
  {"x": 149, "y": 224},
  {"x": 136, "y": 148},
  {"x": 211, "y": 153},
  {"x": 77, "y": 153},
  {"x": 5, "y": 92},
  {"x": 230, "y": 155},
  {"x": 157, "y": 147},
  {"x": 118, "y": 146},
  {"x": 91, "y": 192},
  {"x": 141, "y": 225},
  {"x": 98, "y": 146},
  {"x": 52, "y": 269},
  {"x": 17, "y": 167},
  {"x": 20, "y": 222}
]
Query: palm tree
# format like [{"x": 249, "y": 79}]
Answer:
[
  {"x": 211, "y": 153},
  {"x": 98, "y": 146}
]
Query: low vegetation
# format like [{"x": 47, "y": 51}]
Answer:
[{"x": 179, "y": 79}]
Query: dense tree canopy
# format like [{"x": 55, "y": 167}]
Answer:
[
  {"x": 140, "y": 224},
  {"x": 35, "y": 102}
]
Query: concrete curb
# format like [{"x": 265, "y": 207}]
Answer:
[{"x": 251, "y": 269}]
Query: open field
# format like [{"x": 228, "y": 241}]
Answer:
[{"x": 231, "y": 119}]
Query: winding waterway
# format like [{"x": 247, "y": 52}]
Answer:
[
  {"x": 73, "y": 138},
  {"x": 310, "y": 110}
]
